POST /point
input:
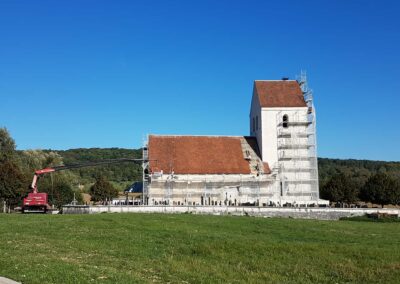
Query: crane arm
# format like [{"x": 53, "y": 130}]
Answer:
[{"x": 39, "y": 173}]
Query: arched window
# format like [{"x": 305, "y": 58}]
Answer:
[{"x": 285, "y": 121}]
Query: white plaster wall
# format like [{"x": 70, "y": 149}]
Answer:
[{"x": 269, "y": 147}]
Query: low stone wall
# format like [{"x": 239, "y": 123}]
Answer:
[
  {"x": 77, "y": 209},
  {"x": 303, "y": 213}
]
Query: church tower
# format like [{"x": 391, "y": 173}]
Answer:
[{"x": 282, "y": 118}]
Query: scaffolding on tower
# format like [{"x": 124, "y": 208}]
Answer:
[
  {"x": 145, "y": 172},
  {"x": 297, "y": 149}
]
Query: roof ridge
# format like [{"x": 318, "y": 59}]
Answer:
[
  {"x": 190, "y": 135},
  {"x": 276, "y": 80}
]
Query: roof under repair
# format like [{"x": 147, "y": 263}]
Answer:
[{"x": 205, "y": 155}]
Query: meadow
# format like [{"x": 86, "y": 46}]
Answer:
[{"x": 155, "y": 248}]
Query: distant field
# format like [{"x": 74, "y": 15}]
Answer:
[{"x": 130, "y": 248}]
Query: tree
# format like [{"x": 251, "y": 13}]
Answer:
[
  {"x": 12, "y": 183},
  {"x": 340, "y": 188},
  {"x": 7, "y": 146},
  {"x": 12, "y": 180},
  {"x": 59, "y": 194},
  {"x": 396, "y": 198},
  {"x": 381, "y": 189},
  {"x": 102, "y": 190},
  {"x": 393, "y": 192},
  {"x": 31, "y": 160},
  {"x": 62, "y": 193}
]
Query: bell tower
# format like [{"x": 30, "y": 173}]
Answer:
[{"x": 283, "y": 120}]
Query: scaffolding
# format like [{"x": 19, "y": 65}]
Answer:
[
  {"x": 297, "y": 149},
  {"x": 210, "y": 189},
  {"x": 168, "y": 188},
  {"x": 145, "y": 172}
]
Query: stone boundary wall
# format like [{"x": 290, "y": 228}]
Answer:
[{"x": 303, "y": 213}]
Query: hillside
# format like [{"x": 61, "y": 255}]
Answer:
[
  {"x": 126, "y": 173},
  {"x": 358, "y": 169},
  {"x": 121, "y": 175}
]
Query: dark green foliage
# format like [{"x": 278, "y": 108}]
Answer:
[
  {"x": 60, "y": 193},
  {"x": 340, "y": 188},
  {"x": 102, "y": 190},
  {"x": 72, "y": 156},
  {"x": 396, "y": 193},
  {"x": 381, "y": 189},
  {"x": 12, "y": 183},
  {"x": 123, "y": 172},
  {"x": 358, "y": 172},
  {"x": 392, "y": 192}
]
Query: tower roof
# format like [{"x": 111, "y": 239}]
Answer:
[{"x": 279, "y": 93}]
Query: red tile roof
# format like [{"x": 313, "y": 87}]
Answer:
[
  {"x": 198, "y": 154},
  {"x": 282, "y": 93}
]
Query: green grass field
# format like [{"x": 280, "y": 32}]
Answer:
[{"x": 137, "y": 248}]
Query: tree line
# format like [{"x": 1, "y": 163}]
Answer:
[
  {"x": 343, "y": 181},
  {"x": 380, "y": 188},
  {"x": 351, "y": 181}
]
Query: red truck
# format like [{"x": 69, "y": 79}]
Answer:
[{"x": 37, "y": 202}]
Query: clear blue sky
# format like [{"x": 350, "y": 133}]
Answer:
[{"x": 105, "y": 73}]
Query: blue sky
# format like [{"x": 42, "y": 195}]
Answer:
[{"x": 106, "y": 73}]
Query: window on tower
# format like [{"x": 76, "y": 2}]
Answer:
[
  {"x": 285, "y": 121},
  {"x": 257, "y": 122}
]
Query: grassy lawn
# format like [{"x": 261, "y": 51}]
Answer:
[{"x": 130, "y": 248}]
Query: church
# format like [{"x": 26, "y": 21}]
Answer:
[{"x": 275, "y": 165}]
